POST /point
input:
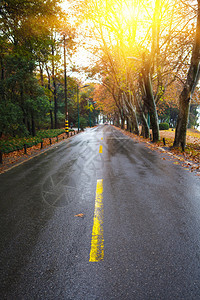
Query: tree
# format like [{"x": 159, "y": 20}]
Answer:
[
  {"x": 105, "y": 102},
  {"x": 24, "y": 100},
  {"x": 157, "y": 35},
  {"x": 193, "y": 76},
  {"x": 28, "y": 43}
]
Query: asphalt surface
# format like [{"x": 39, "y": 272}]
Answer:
[{"x": 151, "y": 223}]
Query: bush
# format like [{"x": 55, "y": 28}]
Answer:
[
  {"x": 83, "y": 123},
  {"x": 164, "y": 126},
  {"x": 50, "y": 133},
  {"x": 17, "y": 143}
]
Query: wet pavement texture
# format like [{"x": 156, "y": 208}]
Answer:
[{"x": 151, "y": 223}]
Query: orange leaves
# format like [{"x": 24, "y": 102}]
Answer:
[
  {"x": 104, "y": 100},
  {"x": 80, "y": 215}
]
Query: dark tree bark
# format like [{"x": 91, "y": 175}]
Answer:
[
  {"x": 49, "y": 88},
  {"x": 54, "y": 91},
  {"x": 117, "y": 120},
  {"x": 122, "y": 121},
  {"x": 41, "y": 74},
  {"x": 135, "y": 123},
  {"x": 128, "y": 124},
  {"x": 55, "y": 104},
  {"x": 141, "y": 113},
  {"x": 188, "y": 89},
  {"x": 51, "y": 115},
  {"x": 150, "y": 102}
]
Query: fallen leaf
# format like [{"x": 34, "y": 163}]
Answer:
[{"x": 79, "y": 215}]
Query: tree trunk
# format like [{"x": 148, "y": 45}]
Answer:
[
  {"x": 145, "y": 127},
  {"x": 41, "y": 75},
  {"x": 151, "y": 105},
  {"x": 135, "y": 123},
  {"x": 122, "y": 122},
  {"x": 54, "y": 91},
  {"x": 132, "y": 113},
  {"x": 188, "y": 89},
  {"x": 55, "y": 104},
  {"x": 182, "y": 121},
  {"x": 117, "y": 120},
  {"x": 49, "y": 88},
  {"x": 51, "y": 116},
  {"x": 128, "y": 124}
]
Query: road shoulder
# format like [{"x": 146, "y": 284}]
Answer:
[{"x": 179, "y": 159}]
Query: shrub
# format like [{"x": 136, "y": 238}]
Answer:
[
  {"x": 164, "y": 126},
  {"x": 17, "y": 143},
  {"x": 83, "y": 123}
]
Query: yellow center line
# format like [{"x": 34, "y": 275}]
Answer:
[
  {"x": 100, "y": 149},
  {"x": 97, "y": 242}
]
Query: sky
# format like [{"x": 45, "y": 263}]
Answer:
[{"x": 82, "y": 58}]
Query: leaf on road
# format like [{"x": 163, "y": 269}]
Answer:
[{"x": 79, "y": 215}]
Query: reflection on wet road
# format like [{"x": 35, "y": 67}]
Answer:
[{"x": 99, "y": 217}]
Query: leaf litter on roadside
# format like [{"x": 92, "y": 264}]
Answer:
[{"x": 192, "y": 152}]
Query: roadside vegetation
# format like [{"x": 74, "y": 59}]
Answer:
[
  {"x": 8, "y": 145},
  {"x": 32, "y": 84}
]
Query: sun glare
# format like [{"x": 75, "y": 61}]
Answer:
[{"x": 128, "y": 13}]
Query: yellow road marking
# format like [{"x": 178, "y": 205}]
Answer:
[
  {"x": 100, "y": 149},
  {"x": 97, "y": 242}
]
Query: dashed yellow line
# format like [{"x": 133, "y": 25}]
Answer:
[
  {"x": 100, "y": 149},
  {"x": 97, "y": 242}
]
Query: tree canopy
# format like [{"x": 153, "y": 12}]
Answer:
[{"x": 144, "y": 50}]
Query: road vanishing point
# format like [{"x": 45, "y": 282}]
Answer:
[{"x": 99, "y": 216}]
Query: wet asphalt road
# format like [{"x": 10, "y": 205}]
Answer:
[{"x": 151, "y": 223}]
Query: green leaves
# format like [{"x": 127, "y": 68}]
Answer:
[{"x": 17, "y": 143}]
